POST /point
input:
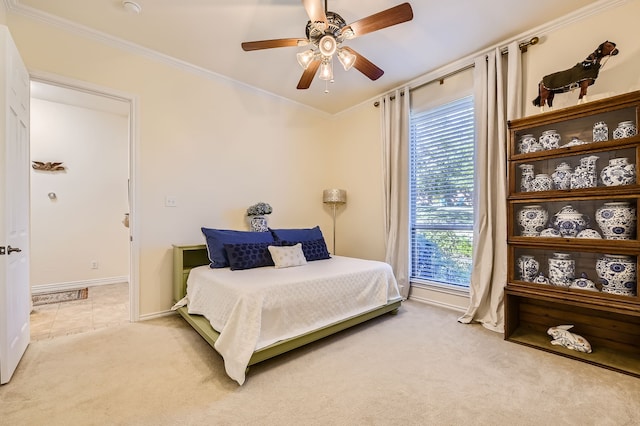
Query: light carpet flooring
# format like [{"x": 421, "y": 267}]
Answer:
[
  {"x": 105, "y": 306},
  {"x": 420, "y": 367}
]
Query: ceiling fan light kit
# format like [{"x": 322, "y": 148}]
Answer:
[{"x": 325, "y": 32}]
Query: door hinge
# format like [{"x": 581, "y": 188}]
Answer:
[{"x": 3, "y": 250}]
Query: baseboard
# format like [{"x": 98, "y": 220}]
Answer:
[
  {"x": 73, "y": 285},
  {"x": 157, "y": 315}
]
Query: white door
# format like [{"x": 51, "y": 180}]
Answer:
[{"x": 15, "y": 295}]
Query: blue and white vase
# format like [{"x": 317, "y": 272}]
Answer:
[
  {"x": 542, "y": 182},
  {"x": 618, "y": 274},
  {"x": 528, "y": 144},
  {"x": 584, "y": 176},
  {"x": 600, "y": 132},
  {"x": 532, "y": 220},
  {"x": 258, "y": 224},
  {"x": 562, "y": 176},
  {"x": 625, "y": 129},
  {"x": 617, "y": 221},
  {"x": 562, "y": 269},
  {"x": 584, "y": 283},
  {"x": 569, "y": 221},
  {"x": 528, "y": 267},
  {"x": 618, "y": 172},
  {"x": 526, "y": 177},
  {"x": 550, "y": 139}
]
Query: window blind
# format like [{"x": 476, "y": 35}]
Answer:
[{"x": 441, "y": 192}]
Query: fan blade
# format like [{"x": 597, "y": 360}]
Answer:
[
  {"x": 308, "y": 74},
  {"x": 364, "y": 65},
  {"x": 268, "y": 44},
  {"x": 386, "y": 18},
  {"x": 316, "y": 11}
]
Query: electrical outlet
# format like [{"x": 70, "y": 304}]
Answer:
[
  {"x": 170, "y": 201},
  {"x": 94, "y": 264}
]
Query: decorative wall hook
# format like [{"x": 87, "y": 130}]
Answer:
[{"x": 48, "y": 166}]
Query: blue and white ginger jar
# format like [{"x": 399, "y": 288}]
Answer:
[
  {"x": 542, "y": 182},
  {"x": 618, "y": 274},
  {"x": 532, "y": 219},
  {"x": 625, "y": 129},
  {"x": 526, "y": 177},
  {"x": 618, "y": 172},
  {"x": 562, "y": 176},
  {"x": 562, "y": 269},
  {"x": 528, "y": 144},
  {"x": 600, "y": 132},
  {"x": 550, "y": 139},
  {"x": 570, "y": 221},
  {"x": 617, "y": 221},
  {"x": 528, "y": 267},
  {"x": 584, "y": 176}
]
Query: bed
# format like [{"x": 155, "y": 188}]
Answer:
[{"x": 235, "y": 335}]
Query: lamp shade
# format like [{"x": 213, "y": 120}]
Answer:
[{"x": 334, "y": 196}]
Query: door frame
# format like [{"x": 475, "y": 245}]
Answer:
[{"x": 134, "y": 256}]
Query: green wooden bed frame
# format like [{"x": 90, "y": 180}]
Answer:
[{"x": 186, "y": 257}]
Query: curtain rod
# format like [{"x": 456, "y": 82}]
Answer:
[{"x": 523, "y": 48}]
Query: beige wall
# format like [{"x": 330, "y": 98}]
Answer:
[
  {"x": 3, "y": 13},
  {"x": 570, "y": 44},
  {"x": 83, "y": 223},
  {"x": 214, "y": 145},
  {"x": 219, "y": 147}
]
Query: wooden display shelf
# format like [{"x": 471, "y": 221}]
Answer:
[
  {"x": 611, "y": 323},
  {"x": 614, "y": 336}
]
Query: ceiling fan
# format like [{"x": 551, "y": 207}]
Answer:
[{"x": 326, "y": 31}]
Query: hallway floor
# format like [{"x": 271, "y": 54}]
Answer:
[{"x": 105, "y": 306}]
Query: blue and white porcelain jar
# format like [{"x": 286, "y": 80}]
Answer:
[
  {"x": 258, "y": 224},
  {"x": 562, "y": 176},
  {"x": 584, "y": 176},
  {"x": 625, "y": 129},
  {"x": 584, "y": 283},
  {"x": 618, "y": 274},
  {"x": 528, "y": 267},
  {"x": 600, "y": 132},
  {"x": 550, "y": 139},
  {"x": 528, "y": 143},
  {"x": 570, "y": 221},
  {"x": 562, "y": 269},
  {"x": 526, "y": 177},
  {"x": 618, "y": 172},
  {"x": 542, "y": 182},
  {"x": 617, "y": 220},
  {"x": 532, "y": 219}
]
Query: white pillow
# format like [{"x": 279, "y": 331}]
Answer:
[{"x": 286, "y": 256}]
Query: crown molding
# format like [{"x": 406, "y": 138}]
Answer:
[{"x": 13, "y": 7}]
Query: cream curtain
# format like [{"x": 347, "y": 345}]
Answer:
[
  {"x": 498, "y": 98},
  {"x": 394, "y": 112}
]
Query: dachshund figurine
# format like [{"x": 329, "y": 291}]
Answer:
[
  {"x": 562, "y": 336},
  {"x": 582, "y": 75}
]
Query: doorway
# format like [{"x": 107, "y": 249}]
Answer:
[{"x": 80, "y": 209}]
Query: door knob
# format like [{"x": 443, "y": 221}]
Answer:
[{"x": 12, "y": 249}]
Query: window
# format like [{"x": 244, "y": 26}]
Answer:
[{"x": 441, "y": 193}]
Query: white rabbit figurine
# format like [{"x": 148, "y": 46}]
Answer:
[{"x": 562, "y": 336}]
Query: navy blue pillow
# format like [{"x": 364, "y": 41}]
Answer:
[
  {"x": 249, "y": 255},
  {"x": 301, "y": 234},
  {"x": 312, "y": 249},
  {"x": 217, "y": 238}
]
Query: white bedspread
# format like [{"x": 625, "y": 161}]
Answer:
[{"x": 254, "y": 308}]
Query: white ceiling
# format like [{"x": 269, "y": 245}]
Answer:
[{"x": 207, "y": 34}]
